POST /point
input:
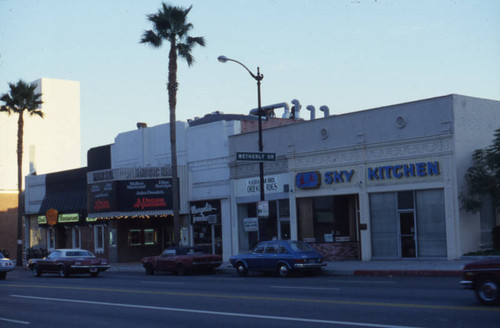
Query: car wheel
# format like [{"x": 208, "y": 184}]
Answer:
[
  {"x": 487, "y": 291},
  {"x": 241, "y": 269},
  {"x": 149, "y": 269},
  {"x": 94, "y": 274},
  {"x": 3, "y": 275},
  {"x": 36, "y": 271},
  {"x": 63, "y": 273},
  {"x": 283, "y": 270},
  {"x": 180, "y": 269}
]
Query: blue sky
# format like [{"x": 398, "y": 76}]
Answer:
[{"x": 347, "y": 54}]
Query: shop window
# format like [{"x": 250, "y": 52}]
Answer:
[
  {"x": 139, "y": 237},
  {"x": 149, "y": 237},
  {"x": 134, "y": 237},
  {"x": 112, "y": 237},
  {"x": 99, "y": 238},
  {"x": 76, "y": 237},
  {"x": 328, "y": 219}
]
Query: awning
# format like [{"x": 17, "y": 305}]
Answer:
[{"x": 74, "y": 201}]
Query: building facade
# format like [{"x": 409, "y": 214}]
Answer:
[{"x": 375, "y": 184}]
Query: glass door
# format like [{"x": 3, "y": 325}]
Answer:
[{"x": 407, "y": 233}]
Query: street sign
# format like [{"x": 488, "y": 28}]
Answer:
[{"x": 255, "y": 156}]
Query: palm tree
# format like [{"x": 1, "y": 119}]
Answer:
[
  {"x": 21, "y": 98},
  {"x": 170, "y": 25}
]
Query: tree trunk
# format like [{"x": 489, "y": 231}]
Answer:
[
  {"x": 172, "y": 87},
  {"x": 20, "y": 205}
]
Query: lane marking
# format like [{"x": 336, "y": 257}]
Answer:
[
  {"x": 163, "y": 283},
  {"x": 15, "y": 321},
  {"x": 308, "y": 288},
  {"x": 265, "y": 298},
  {"x": 227, "y": 314},
  {"x": 364, "y": 281}
]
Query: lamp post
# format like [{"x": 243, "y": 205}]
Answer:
[{"x": 257, "y": 78}]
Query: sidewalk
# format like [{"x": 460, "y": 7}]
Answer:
[{"x": 366, "y": 268}]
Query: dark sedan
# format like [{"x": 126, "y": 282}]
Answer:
[
  {"x": 484, "y": 278},
  {"x": 181, "y": 260},
  {"x": 68, "y": 261},
  {"x": 280, "y": 256}
]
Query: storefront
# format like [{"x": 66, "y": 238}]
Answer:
[
  {"x": 276, "y": 223},
  {"x": 206, "y": 225},
  {"x": 135, "y": 204}
]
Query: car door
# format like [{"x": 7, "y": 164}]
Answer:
[
  {"x": 165, "y": 261},
  {"x": 50, "y": 262},
  {"x": 270, "y": 257},
  {"x": 254, "y": 259}
]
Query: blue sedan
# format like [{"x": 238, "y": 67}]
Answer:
[{"x": 280, "y": 256}]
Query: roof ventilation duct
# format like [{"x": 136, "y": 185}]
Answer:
[
  {"x": 325, "y": 110},
  {"x": 295, "y": 109},
  {"x": 312, "y": 109}
]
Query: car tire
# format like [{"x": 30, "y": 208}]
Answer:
[
  {"x": 241, "y": 269},
  {"x": 36, "y": 271},
  {"x": 148, "y": 267},
  {"x": 180, "y": 269},
  {"x": 488, "y": 291},
  {"x": 63, "y": 273},
  {"x": 283, "y": 270},
  {"x": 3, "y": 275}
]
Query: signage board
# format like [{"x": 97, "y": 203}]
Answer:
[
  {"x": 256, "y": 156},
  {"x": 263, "y": 209},
  {"x": 251, "y": 224}
]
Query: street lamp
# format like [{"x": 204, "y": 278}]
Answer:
[{"x": 257, "y": 78}]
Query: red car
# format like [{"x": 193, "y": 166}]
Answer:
[
  {"x": 68, "y": 261},
  {"x": 484, "y": 278},
  {"x": 181, "y": 260}
]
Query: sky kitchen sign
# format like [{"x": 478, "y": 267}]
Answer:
[{"x": 314, "y": 179}]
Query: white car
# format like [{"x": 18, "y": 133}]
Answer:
[{"x": 6, "y": 265}]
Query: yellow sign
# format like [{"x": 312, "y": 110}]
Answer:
[
  {"x": 42, "y": 219},
  {"x": 66, "y": 218}
]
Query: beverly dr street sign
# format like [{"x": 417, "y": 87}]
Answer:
[{"x": 255, "y": 156}]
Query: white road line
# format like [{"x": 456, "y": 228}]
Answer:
[
  {"x": 228, "y": 314},
  {"x": 15, "y": 321},
  {"x": 163, "y": 282},
  {"x": 309, "y": 288},
  {"x": 364, "y": 281}
]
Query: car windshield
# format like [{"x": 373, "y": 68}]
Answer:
[
  {"x": 54, "y": 255},
  {"x": 300, "y": 246}
]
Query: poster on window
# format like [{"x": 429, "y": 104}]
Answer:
[{"x": 144, "y": 195}]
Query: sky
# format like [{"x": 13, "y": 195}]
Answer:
[{"x": 350, "y": 55}]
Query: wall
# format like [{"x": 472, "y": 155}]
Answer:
[{"x": 51, "y": 143}]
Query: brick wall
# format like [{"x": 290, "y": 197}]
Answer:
[{"x": 8, "y": 223}]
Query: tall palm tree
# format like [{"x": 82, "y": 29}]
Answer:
[
  {"x": 21, "y": 98},
  {"x": 170, "y": 25}
]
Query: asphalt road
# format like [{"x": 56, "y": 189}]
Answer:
[{"x": 122, "y": 299}]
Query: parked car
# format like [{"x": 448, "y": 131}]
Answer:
[
  {"x": 6, "y": 265},
  {"x": 280, "y": 256},
  {"x": 181, "y": 260},
  {"x": 484, "y": 278},
  {"x": 68, "y": 261}
]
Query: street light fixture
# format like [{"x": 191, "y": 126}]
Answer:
[{"x": 258, "y": 78}]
